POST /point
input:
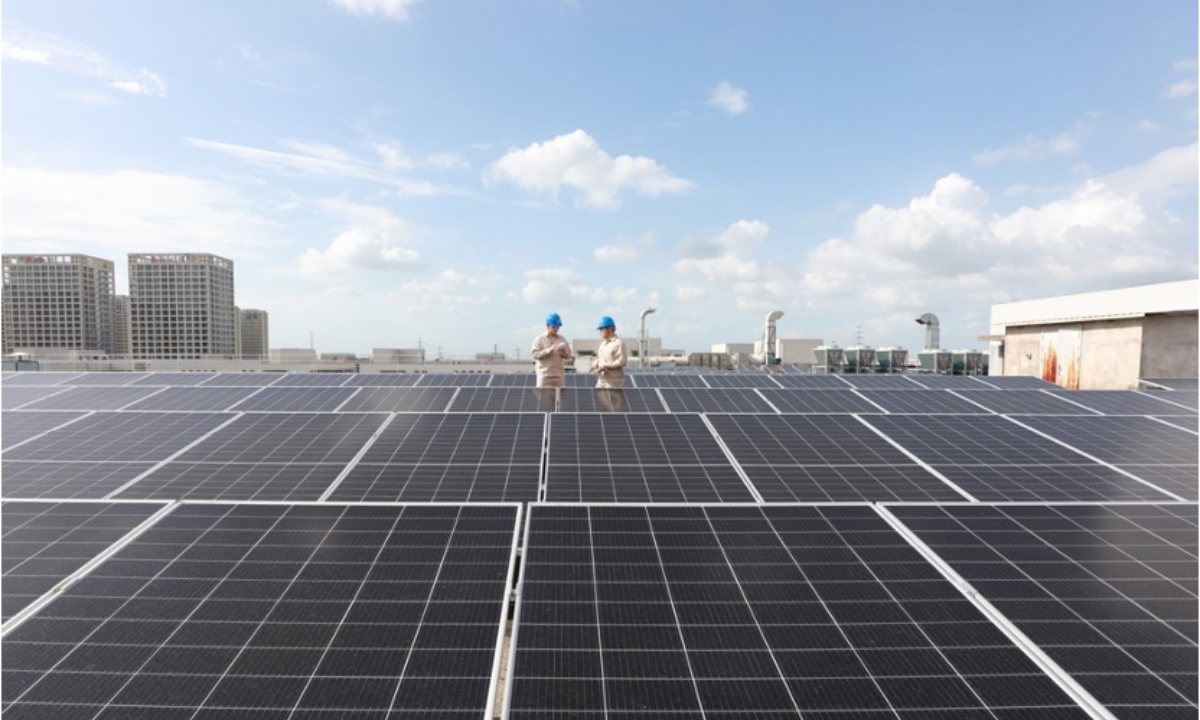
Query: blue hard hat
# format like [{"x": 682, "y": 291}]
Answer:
[
  {"x": 554, "y": 319},
  {"x": 606, "y": 322}
]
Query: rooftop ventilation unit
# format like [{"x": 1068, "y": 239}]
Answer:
[
  {"x": 936, "y": 361},
  {"x": 891, "y": 359},
  {"x": 933, "y": 333},
  {"x": 967, "y": 362},
  {"x": 828, "y": 358},
  {"x": 860, "y": 359}
]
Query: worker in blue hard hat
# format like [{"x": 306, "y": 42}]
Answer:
[
  {"x": 549, "y": 351},
  {"x": 610, "y": 356}
]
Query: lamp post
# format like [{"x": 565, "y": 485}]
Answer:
[{"x": 643, "y": 338}]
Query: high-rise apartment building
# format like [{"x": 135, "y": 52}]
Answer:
[
  {"x": 122, "y": 338},
  {"x": 57, "y": 302},
  {"x": 181, "y": 305},
  {"x": 255, "y": 335}
]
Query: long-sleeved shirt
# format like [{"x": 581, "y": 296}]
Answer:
[
  {"x": 610, "y": 363},
  {"x": 548, "y": 355}
]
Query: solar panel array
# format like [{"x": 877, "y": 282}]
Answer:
[{"x": 700, "y": 544}]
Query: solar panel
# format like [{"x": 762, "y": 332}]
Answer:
[
  {"x": 1183, "y": 398},
  {"x": 399, "y": 399},
  {"x": 1127, "y": 402},
  {"x": 195, "y": 399},
  {"x": 820, "y": 401},
  {"x": 814, "y": 382},
  {"x": 609, "y": 401},
  {"x": 505, "y": 399},
  {"x": 1026, "y": 402},
  {"x": 257, "y": 611},
  {"x": 723, "y": 400},
  {"x": 455, "y": 379},
  {"x": 740, "y": 380},
  {"x": 1049, "y": 483},
  {"x": 973, "y": 440},
  {"x": 36, "y": 378},
  {"x": 295, "y": 399},
  {"x": 311, "y": 380},
  {"x": 923, "y": 402},
  {"x": 18, "y": 426},
  {"x": 174, "y": 379},
  {"x": 68, "y": 480},
  {"x": 586, "y": 380},
  {"x": 93, "y": 398},
  {"x": 120, "y": 437},
  {"x": 104, "y": 378},
  {"x": 765, "y": 612},
  {"x": 638, "y": 458},
  {"x": 293, "y": 456},
  {"x": 478, "y": 457},
  {"x": 46, "y": 542},
  {"x": 1191, "y": 384},
  {"x": 382, "y": 380},
  {"x": 935, "y": 381},
  {"x": 882, "y": 382},
  {"x": 1183, "y": 480},
  {"x": 1133, "y": 440},
  {"x": 1187, "y": 423},
  {"x": 513, "y": 380},
  {"x": 1018, "y": 382},
  {"x": 664, "y": 380},
  {"x": 15, "y": 397},
  {"x": 253, "y": 379},
  {"x": 1107, "y": 591},
  {"x": 822, "y": 458}
]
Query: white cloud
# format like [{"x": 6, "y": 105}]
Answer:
[
  {"x": 1147, "y": 125},
  {"x": 21, "y": 45},
  {"x": 390, "y": 9},
  {"x": 393, "y": 156},
  {"x": 375, "y": 241},
  {"x": 617, "y": 253},
  {"x": 732, "y": 100},
  {"x": 1183, "y": 88},
  {"x": 321, "y": 160},
  {"x": 121, "y": 211},
  {"x": 690, "y": 293},
  {"x": 449, "y": 292},
  {"x": 726, "y": 258},
  {"x": 577, "y": 161}
]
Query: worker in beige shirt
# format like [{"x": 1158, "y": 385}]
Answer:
[
  {"x": 610, "y": 357},
  {"x": 549, "y": 351}
]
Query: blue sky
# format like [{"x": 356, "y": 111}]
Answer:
[{"x": 388, "y": 171}]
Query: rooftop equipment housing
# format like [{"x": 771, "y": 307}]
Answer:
[
  {"x": 860, "y": 359},
  {"x": 828, "y": 358},
  {"x": 936, "y": 361},
  {"x": 891, "y": 359},
  {"x": 967, "y": 362}
]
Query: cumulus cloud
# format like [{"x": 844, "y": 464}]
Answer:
[
  {"x": 727, "y": 257},
  {"x": 575, "y": 160},
  {"x": 732, "y": 100},
  {"x": 690, "y": 293},
  {"x": 448, "y": 292},
  {"x": 390, "y": 9},
  {"x": 373, "y": 242},
  {"x": 1183, "y": 88},
  {"x": 565, "y": 288},
  {"x": 22, "y": 45}
]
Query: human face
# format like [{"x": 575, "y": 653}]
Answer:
[
  {"x": 607, "y": 333},
  {"x": 552, "y": 330}
]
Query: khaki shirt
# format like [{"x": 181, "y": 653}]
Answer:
[
  {"x": 548, "y": 355},
  {"x": 610, "y": 363}
]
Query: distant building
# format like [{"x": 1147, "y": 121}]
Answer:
[
  {"x": 254, "y": 332},
  {"x": 181, "y": 305},
  {"x": 789, "y": 351},
  {"x": 292, "y": 356},
  {"x": 1099, "y": 340},
  {"x": 122, "y": 328},
  {"x": 57, "y": 302},
  {"x": 397, "y": 356}
]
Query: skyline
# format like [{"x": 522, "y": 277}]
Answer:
[{"x": 386, "y": 170}]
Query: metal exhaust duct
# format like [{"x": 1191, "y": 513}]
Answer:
[{"x": 933, "y": 333}]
